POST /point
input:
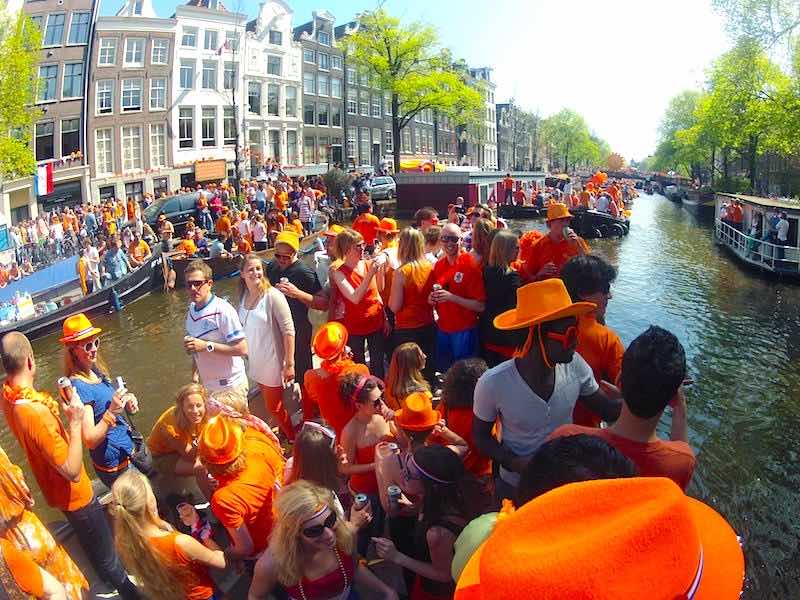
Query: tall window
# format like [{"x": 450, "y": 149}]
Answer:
[
  {"x": 131, "y": 95},
  {"x": 107, "y": 55},
  {"x": 324, "y": 38},
  {"x": 308, "y": 150},
  {"x": 158, "y": 93},
  {"x": 336, "y": 62},
  {"x": 104, "y": 151},
  {"x": 273, "y": 65},
  {"x": 336, "y": 87},
  {"x": 336, "y": 115},
  {"x": 322, "y": 85},
  {"x": 309, "y": 55},
  {"x": 54, "y": 32},
  {"x": 228, "y": 126},
  {"x": 274, "y": 146},
  {"x": 72, "y": 86},
  {"x": 104, "y": 98},
  {"x": 351, "y": 142},
  {"x": 137, "y": 7},
  {"x": 254, "y": 97},
  {"x": 405, "y": 140},
  {"x": 70, "y": 136},
  {"x": 351, "y": 76},
  {"x": 189, "y": 37},
  {"x": 160, "y": 52},
  {"x": 209, "y": 74},
  {"x": 79, "y": 28},
  {"x": 229, "y": 75},
  {"x": 363, "y": 103},
  {"x": 308, "y": 83},
  {"x": 308, "y": 113},
  {"x": 186, "y": 127},
  {"x": 44, "y": 141},
  {"x": 352, "y": 102},
  {"x": 48, "y": 75},
  {"x": 376, "y": 139},
  {"x": 387, "y": 105},
  {"x": 209, "y": 126},
  {"x": 291, "y": 101},
  {"x": 187, "y": 74},
  {"x": 272, "y": 99},
  {"x": 388, "y": 141},
  {"x": 210, "y": 41},
  {"x": 131, "y": 148},
  {"x": 134, "y": 52},
  {"x": 323, "y": 110},
  {"x": 376, "y": 106},
  {"x": 275, "y": 37},
  {"x": 232, "y": 40},
  {"x": 291, "y": 147},
  {"x": 324, "y": 61},
  {"x": 158, "y": 145},
  {"x": 363, "y": 145}
]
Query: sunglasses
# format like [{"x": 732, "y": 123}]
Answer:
[
  {"x": 91, "y": 345},
  {"x": 284, "y": 256},
  {"x": 323, "y": 430},
  {"x": 450, "y": 238},
  {"x": 567, "y": 339},
  {"x": 197, "y": 284},
  {"x": 317, "y": 530}
]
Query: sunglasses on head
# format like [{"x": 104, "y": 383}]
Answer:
[
  {"x": 317, "y": 530},
  {"x": 567, "y": 339},
  {"x": 197, "y": 283},
  {"x": 323, "y": 430},
  {"x": 450, "y": 238},
  {"x": 91, "y": 345}
]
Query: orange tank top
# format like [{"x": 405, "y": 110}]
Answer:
[
  {"x": 197, "y": 585},
  {"x": 417, "y": 285},
  {"x": 366, "y": 316},
  {"x": 365, "y": 483}
]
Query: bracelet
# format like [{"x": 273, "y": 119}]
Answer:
[{"x": 110, "y": 419}]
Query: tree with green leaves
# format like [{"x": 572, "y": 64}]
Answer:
[
  {"x": 770, "y": 23},
  {"x": 406, "y": 62},
  {"x": 20, "y": 41},
  {"x": 567, "y": 136}
]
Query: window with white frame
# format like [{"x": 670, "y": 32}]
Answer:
[
  {"x": 131, "y": 148},
  {"x": 363, "y": 79},
  {"x": 387, "y": 105},
  {"x": 323, "y": 145},
  {"x": 209, "y": 126},
  {"x": 79, "y": 28},
  {"x": 405, "y": 140},
  {"x": 228, "y": 126},
  {"x": 323, "y": 113},
  {"x": 72, "y": 86},
  {"x": 352, "y": 102},
  {"x": 323, "y": 83},
  {"x": 336, "y": 115},
  {"x": 159, "y": 55},
  {"x": 274, "y": 144},
  {"x": 254, "y": 97},
  {"x": 54, "y": 32},
  {"x": 351, "y": 142},
  {"x": 388, "y": 145},
  {"x": 158, "y": 145},
  {"x": 134, "y": 52},
  {"x": 210, "y": 40},
  {"x": 70, "y": 136},
  {"x": 291, "y": 101},
  {"x": 186, "y": 74},
  {"x": 417, "y": 145},
  {"x": 104, "y": 97},
  {"x": 232, "y": 40},
  {"x": 209, "y": 74},
  {"x": 324, "y": 61},
  {"x": 137, "y": 7},
  {"x": 309, "y": 156},
  {"x": 44, "y": 148},
  {"x": 186, "y": 127},
  {"x": 107, "y": 54},
  {"x": 189, "y": 37},
  {"x": 352, "y": 78},
  {"x": 229, "y": 75},
  {"x": 324, "y": 38},
  {"x": 272, "y": 99},
  {"x": 363, "y": 103},
  {"x": 131, "y": 95},
  {"x": 376, "y": 106},
  {"x": 363, "y": 145},
  {"x": 158, "y": 93},
  {"x": 336, "y": 87},
  {"x": 336, "y": 62},
  {"x": 309, "y": 110},
  {"x": 309, "y": 83},
  {"x": 104, "y": 151},
  {"x": 276, "y": 37},
  {"x": 291, "y": 147},
  {"x": 273, "y": 65},
  {"x": 309, "y": 56}
]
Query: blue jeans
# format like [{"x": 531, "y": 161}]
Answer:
[
  {"x": 97, "y": 541},
  {"x": 451, "y": 347}
]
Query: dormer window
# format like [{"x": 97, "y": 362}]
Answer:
[
  {"x": 324, "y": 38},
  {"x": 137, "y": 8},
  {"x": 275, "y": 37}
]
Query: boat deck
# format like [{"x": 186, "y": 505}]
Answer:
[{"x": 757, "y": 252}]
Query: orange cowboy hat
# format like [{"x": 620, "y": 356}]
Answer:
[
  {"x": 388, "y": 225},
  {"x": 220, "y": 441},
  {"x": 78, "y": 327},
  {"x": 330, "y": 340},
  {"x": 556, "y": 210},
  {"x": 417, "y": 413},
  {"x": 539, "y": 302},
  {"x": 608, "y": 539}
]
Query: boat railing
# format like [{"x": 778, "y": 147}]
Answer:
[{"x": 758, "y": 251}]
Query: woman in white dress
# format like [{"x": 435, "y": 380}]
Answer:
[{"x": 267, "y": 320}]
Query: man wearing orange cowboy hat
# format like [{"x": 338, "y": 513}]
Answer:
[
  {"x": 550, "y": 252},
  {"x": 535, "y": 393}
]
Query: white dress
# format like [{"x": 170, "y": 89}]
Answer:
[{"x": 264, "y": 327}]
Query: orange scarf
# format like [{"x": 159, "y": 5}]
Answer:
[
  {"x": 13, "y": 395},
  {"x": 15, "y": 497}
]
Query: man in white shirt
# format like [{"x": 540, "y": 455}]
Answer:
[
  {"x": 782, "y": 235},
  {"x": 534, "y": 394},
  {"x": 92, "y": 257},
  {"x": 214, "y": 337},
  {"x": 603, "y": 202}
]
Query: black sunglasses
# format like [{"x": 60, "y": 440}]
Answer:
[
  {"x": 197, "y": 284},
  {"x": 317, "y": 530},
  {"x": 449, "y": 238}
]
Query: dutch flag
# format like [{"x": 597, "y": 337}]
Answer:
[{"x": 43, "y": 182}]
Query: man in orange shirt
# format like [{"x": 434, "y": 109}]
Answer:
[
  {"x": 55, "y": 456},
  {"x": 223, "y": 224},
  {"x": 138, "y": 251},
  {"x": 508, "y": 187},
  {"x": 187, "y": 245},
  {"x": 458, "y": 301},
  {"x": 550, "y": 252},
  {"x": 653, "y": 373},
  {"x": 367, "y": 225},
  {"x": 249, "y": 468},
  {"x": 588, "y": 279}
]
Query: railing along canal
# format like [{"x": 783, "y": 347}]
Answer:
[{"x": 761, "y": 252}]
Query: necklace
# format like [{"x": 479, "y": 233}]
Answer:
[
  {"x": 341, "y": 570},
  {"x": 247, "y": 310}
]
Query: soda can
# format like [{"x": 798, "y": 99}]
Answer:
[
  {"x": 393, "y": 493},
  {"x": 360, "y": 501},
  {"x": 65, "y": 389}
]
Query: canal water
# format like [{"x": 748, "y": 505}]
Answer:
[{"x": 742, "y": 339}]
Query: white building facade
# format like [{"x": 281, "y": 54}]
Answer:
[{"x": 484, "y": 74}]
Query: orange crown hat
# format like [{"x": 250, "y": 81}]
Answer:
[
  {"x": 388, "y": 225},
  {"x": 78, "y": 327},
  {"x": 608, "y": 539},
  {"x": 540, "y": 302},
  {"x": 330, "y": 340},
  {"x": 220, "y": 441},
  {"x": 556, "y": 210},
  {"x": 289, "y": 238},
  {"x": 417, "y": 413}
]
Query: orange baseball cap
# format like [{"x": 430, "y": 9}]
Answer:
[
  {"x": 417, "y": 413},
  {"x": 78, "y": 327},
  {"x": 556, "y": 210},
  {"x": 220, "y": 441},
  {"x": 608, "y": 539},
  {"x": 388, "y": 225},
  {"x": 539, "y": 302},
  {"x": 330, "y": 340}
]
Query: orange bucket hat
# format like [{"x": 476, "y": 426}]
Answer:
[
  {"x": 539, "y": 302},
  {"x": 556, "y": 210},
  {"x": 78, "y": 327},
  {"x": 608, "y": 539},
  {"x": 220, "y": 441},
  {"x": 330, "y": 340},
  {"x": 417, "y": 413},
  {"x": 388, "y": 225}
]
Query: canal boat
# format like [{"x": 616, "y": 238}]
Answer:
[
  {"x": 758, "y": 248},
  {"x": 129, "y": 288},
  {"x": 520, "y": 211},
  {"x": 700, "y": 202},
  {"x": 592, "y": 224}
]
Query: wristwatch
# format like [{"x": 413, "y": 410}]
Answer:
[{"x": 210, "y": 347}]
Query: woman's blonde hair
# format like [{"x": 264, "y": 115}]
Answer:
[
  {"x": 480, "y": 237},
  {"x": 411, "y": 247},
  {"x": 132, "y": 512},
  {"x": 345, "y": 240},
  {"x": 263, "y": 286},
  {"x": 295, "y": 505},
  {"x": 504, "y": 250},
  {"x": 190, "y": 389},
  {"x": 72, "y": 367},
  {"x": 405, "y": 373}
]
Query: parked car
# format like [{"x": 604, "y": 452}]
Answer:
[
  {"x": 177, "y": 208},
  {"x": 383, "y": 188}
]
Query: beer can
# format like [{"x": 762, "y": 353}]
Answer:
[
  {"x": 393, "y": 493},
  {"x": 393, "y": 447},
  {"x": 65, "y": 389},
  {"x": 360, "y": 501},
  {"x": 436, "y": 287},
  {"x": 284, "y": 280},
  {"x": 567, "y": 231}
]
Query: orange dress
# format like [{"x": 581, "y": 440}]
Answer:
[
  {"x": 366, "y": 316},
  {"x": 417, "y": 286},
  {"x": 365, "y": 483}
]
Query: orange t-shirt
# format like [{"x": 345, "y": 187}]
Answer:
[
  {"x": 662, "y": 458},
  {"x": 508, "y": 183},
  {"x": 367, "y": 225},
  {"x": 187, "y": 246},
  {"x": 459, "y": 420},
  {"x": 131, "y": 210},
  {"x": 223, "y": 225},
  {"x": 367, "y": 316},
  {"x": 463, "y": 278},
  {"x": 23, "y": 569},
  {"x": 246, "y": 497},
  {"x": 197, "y": 585},
  {"x": 546, "y": 250},
  {"x": 519, "y": 197},
  {"x": 44, "y": 441},
  {"x": 417, "y": 285},
  {"x": 585, "y": 196},
  {"x": 602, "y": 349},
  {"x": 296, "y": 226},
  {"x": 244, "y": 246},
  {"x": 139, "y": 251},
  {"x": 164, "y": 431},
  {"x": 324, "y": 392}
]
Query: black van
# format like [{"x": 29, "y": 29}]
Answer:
[{"x": 177, "y": 209}]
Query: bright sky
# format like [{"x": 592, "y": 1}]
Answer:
[{"x": 616, "y": 62}]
